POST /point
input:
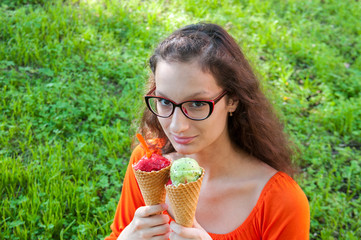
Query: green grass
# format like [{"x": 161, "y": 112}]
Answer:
[{"x": 71, "y": 84}]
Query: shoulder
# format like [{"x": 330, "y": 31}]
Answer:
[
  {"x": 284, "y": 192},
  {"x": 137, "y": 154},
  {"x": 284, "y": 204}
]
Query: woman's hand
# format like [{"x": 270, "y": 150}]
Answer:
[
  {"x": 183, "y": 233},
  {"x": 148, "y": 223}
]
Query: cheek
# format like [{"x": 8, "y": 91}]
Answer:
[
  {"x": 164, "y": 122},
  {"x": 219, "y": 115},
  {"x": 217, "y": 124}
]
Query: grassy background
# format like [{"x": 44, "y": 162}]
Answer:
[{"x": 71, "y": 82}]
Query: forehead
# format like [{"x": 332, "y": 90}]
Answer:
[{"x": 177, "y": 79}]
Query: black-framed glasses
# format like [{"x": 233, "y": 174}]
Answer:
[{"x": 193, "y": 109}]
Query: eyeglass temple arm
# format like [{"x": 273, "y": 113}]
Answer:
[
  {"x": 220, "y": 97},
  {"x": 151, "y": 90}
]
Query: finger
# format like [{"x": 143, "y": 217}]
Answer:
[
  {"x": 147, "y": 211},
  {"x": 162, "y": 237},
  {"x": 156, "y": 231},
  {"x": 196, "y": 232},
  {"x": 158, "y": 219},
  {"x": 197, "y": 225},
  {"x": 175, "y": 236},
  {"x": 145, "y": 223},
  {"x": 182, "y": 231}
]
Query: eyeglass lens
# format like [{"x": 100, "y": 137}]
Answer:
[{"x": 193, "y": 109}]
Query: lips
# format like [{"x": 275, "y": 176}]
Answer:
[{"x": 182, "y": 140}]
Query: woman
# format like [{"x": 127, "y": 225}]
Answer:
[{"x": 215, "y": 112}]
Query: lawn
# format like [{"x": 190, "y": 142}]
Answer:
[{"x": 72, "y": 75}]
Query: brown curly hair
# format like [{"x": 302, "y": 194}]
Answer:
[{"x": 253, "y": 126}]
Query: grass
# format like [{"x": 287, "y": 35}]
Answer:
[{"x": 71, "y": 83}]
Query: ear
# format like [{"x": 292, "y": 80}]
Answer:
[{"x": 232, "y": 105}]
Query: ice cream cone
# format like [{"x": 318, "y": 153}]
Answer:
[
  {"x": 151, "y": 185},
  {"x": 183, "y": 200}
]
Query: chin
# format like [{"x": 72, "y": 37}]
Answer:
[{"x": 184, "y": 149}]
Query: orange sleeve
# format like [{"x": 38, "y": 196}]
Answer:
[
  {"x": 130, "y": 200},
  {"x": 286, "y": 212}
]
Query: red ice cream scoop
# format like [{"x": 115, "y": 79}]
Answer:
[
  {"x": 152, "y": 173},
  {"x": 154, "y": 163}
]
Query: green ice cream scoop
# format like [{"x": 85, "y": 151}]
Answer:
[{"x": 185, "y": 170}]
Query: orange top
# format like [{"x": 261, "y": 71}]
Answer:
[{"x": 281, "y": 212}]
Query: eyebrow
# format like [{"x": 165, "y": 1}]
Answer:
[{"x": 194, "y": 95}]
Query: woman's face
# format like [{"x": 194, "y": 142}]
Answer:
[{"x": 186, "y": 81}]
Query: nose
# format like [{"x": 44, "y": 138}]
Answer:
[{"x": 179, "y": 122}]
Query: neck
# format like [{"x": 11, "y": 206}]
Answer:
[{"x": 221, "y": 159}]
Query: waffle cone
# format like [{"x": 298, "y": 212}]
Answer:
[
  {"x": 183, "y": 200},
  {"x": 151, "y": 185}
]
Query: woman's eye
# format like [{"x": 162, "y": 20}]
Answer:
[
  {"x": 164, "y": 102},
  {"x": 197, "y": 104}
]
